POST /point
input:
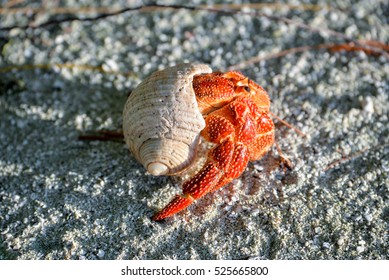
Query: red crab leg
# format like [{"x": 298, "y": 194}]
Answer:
[
  {"x": 225, "y": 162},
  {"x": 201, "y": 183}
]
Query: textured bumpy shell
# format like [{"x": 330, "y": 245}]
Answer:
[{"x": 161, "y": 119}]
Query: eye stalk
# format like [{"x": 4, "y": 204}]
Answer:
[{"x": 245, "y": 84}]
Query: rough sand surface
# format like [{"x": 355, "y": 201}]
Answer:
[{"x": 61, "y": 198}]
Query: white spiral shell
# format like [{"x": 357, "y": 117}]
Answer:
[{"x": 161, "y": 119}]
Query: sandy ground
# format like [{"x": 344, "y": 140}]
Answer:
[{"x": 61, "y": 198}]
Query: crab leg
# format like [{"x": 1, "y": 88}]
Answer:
[{"x": 225, "y": 163}]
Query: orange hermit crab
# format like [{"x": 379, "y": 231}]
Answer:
[{"x": 167, "y": 113}]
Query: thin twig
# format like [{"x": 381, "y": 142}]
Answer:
[
  {"x": 8, "y": 8},
  {"x": 299, "y": 132},
  {"x": 332, "y": 47},
  {"x": 239, "y": 66},
  {"x": 352, "y": 156},
  {"x": 48, "y": 66},
  {"x": 287, "y": 163},
  {"x": 71, "y": 18},
  {"x": 103, "y": 135},
  {"x": 10, "y": 4}
]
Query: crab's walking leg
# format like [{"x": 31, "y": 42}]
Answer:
[
  {"x": 203, "y": 181},
  {"x": 225, "y": 163}
]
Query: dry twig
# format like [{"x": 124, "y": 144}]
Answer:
[{"x": 352, "y": 156}]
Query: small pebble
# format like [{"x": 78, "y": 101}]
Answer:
[
  {"x": 101, "y": 253},
  {"x": 360, "y": 249}
]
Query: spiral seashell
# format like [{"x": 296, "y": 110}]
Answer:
[{"x": 161, "y": 119}]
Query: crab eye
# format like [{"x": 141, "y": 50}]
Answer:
[{"x": 246, "y": 88}]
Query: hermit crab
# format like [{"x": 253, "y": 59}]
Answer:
[{"x": 165, "y": 117}]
